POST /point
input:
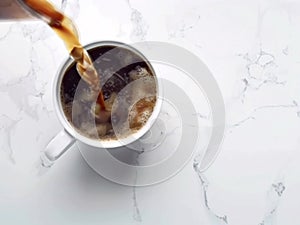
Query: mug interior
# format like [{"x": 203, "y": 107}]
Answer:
[{"x": 111, "y": 143}]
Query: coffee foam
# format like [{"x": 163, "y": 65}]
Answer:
[{"x": 141, "y": 112}]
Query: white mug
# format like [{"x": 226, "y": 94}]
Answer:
[{"x": 68, "y": 136}]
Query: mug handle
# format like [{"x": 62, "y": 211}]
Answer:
[{"x": 56, "y": 148}]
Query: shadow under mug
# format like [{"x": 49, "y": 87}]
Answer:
[{"x": 68, "y": 136}]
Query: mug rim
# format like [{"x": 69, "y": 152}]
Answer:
[{"x": 98, "y": 142}]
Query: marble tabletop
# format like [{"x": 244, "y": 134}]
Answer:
[{"x": 252, "y": 49}]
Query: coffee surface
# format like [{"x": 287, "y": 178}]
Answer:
[{"x": 129, "y": 90}]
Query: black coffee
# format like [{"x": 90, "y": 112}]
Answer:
[{"x": 129, "y": 90}]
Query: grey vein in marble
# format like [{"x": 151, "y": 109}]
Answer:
[
  {"x": 7, "y": 33},
  {"x": 64, "y": 4},
  {"x": 205, "y": 186},
  {"x": 71, "y": 8},
  {"x": 243, "y": 121},
  {"x": 251, "y": 116},
  {"x": 183, "y": 28},
  {"x": 285, "y": 51},
  {"x": 140, "y": 26},
  {"x": 7, "y": 127},
  {"x": 23, "y": 89},
  {"x": 274, "y": 194},
  {"x": 136, "y": 211},
  {"x": 201, "y": 116},
  {"x": 19, "y": 91},
  {"x": 260, "y": 70},
  {"x": 36, "y": 31}
]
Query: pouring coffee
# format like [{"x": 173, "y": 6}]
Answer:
[{"x": 91, "y": 113}]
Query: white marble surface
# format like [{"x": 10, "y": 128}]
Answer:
[{"x": 253, "y": 50}]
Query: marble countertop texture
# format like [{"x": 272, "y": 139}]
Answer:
[{"x": 253, "y": 50}]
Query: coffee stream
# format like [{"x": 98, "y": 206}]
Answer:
[
  {"x": 66, "y": 30},
  {"x": 83, "y": 114}
]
